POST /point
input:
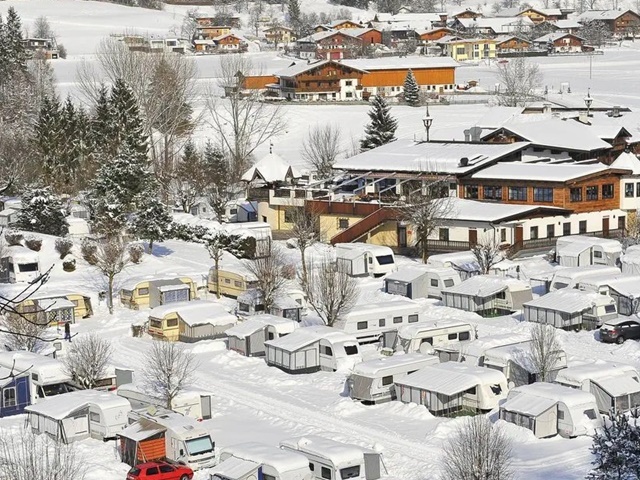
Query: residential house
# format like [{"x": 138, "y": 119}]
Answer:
[
  {"x": 539, "y": 15},
  {"x": 468, "y": 13},
  {"x": 629, "y": 183},
  {"x": 474, "y": 49},
  {"x": 230, "y": 43},
  {"x": 329, "y": 45},
  {"x": 368, "y": 36},
  {"x": 279, "y": 34},
  {"x": 43, "y": 46},
  {"x": 567, "y": 26},
  {"x": 493, "y": 26},
  {"x": 344, "y": 24},
  {"x": 433, "y": 34},
  {"x": 511, "y": 43},
  {"x": 208, "y": 32},
  {"x": 620, "y": 23},
  {"x": 560, "y": 42}
]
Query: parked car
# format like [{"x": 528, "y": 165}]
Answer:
[
  {"x": 620, "y": 329},
  {"x": 159, "y": 471}
]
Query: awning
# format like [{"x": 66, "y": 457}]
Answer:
[
  {"x": 528, "y": 405},
  {"x": 141, "y": 430},
  {"x": 619, "y": 385}
]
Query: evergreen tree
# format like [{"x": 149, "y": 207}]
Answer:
[
  {"x": 49, "y": 140},
  {"x": 128, "y": 130},
  {"x": 221, "y": 190},
  {"x": 42, "y": 212},
  {"x": 382, "y": 128},
  {"x": 295, "y": 16},
  {"x": 411, "y": 90},
  {"x": 103, "y": 125},
  {"x": 13, "y": 37},
  {"x": 152, "y": 221},
  {"x": 617, "y": 449},
  {"x": 4, "y": 52},
  {"x": 190, "y": 177}
]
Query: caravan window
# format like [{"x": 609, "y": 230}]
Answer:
[
  {"x": 559, "y": 285},
  {"x": 325, "y": 350},
  {"x": 350, "y": 472},
  {"x": 413, "y": 318},
  {"x": 9, "y": 397},
  {"x": 268, "y": 477},
  {"x": 143, "y": 291},
  {"x": 428, "y": 340},
  {"x": 237, "y": 284},
  {"x": 496, "y": 389},
  {"x": 591, "y": 414},
  {"x": 172, "y": 322},
  {"x": 448, "y": 282},
  {"x": 351, "y": 349},
  {"x": 155, "y": 323},
  {"x": 94, "y": 417},
  {"x": 28, "y": 267},
  {"x": 227, "y": 281},
  {"x": 385, "y": 259},
  {"x": 610, "y": 308},
  {"x": 362, "y": 325},
  {"x": 560, "y": 415},
  {"x": 325, "y": 473},
  {"x": 471, "y": 391},
  {"x": 397, "y": 319},
  {"x": 464, "y": 336},
  {"x": 381, "y": 322},
  {"x": 501, "y": 295},
  {"x": 434, "y": 282},
  {"x": 388, "y": 380},
  {"x": 597, "y": 254},
  {"x": 452, "y": 336},
  {"x": 312, "y": 467},
  {"x": 243, "y": 307}
]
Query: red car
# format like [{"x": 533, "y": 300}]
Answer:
[{"x": 159, "y": 471}]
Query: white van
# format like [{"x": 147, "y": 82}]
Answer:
[
  {"x": 427, "y": 337},
  {"x": 19, "y": 264},
  {"x": 570, "y": 277},
  {"x": 362, "y": 259}
]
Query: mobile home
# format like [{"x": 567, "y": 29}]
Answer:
[
  {"x": 19, "y": 264},
  {"x": 234, "y": 280},
  {"x": 626, "y": 293},
  {"x": 156, "y": 434},
  {"x": 421, "y": 282},
  {"x": 570, "y": 277},
  {"x": 372, "y": 381},
  {"x": 331, "y": 459},
  {"x": 311, "y": 349},
  {"x": 488, "y": 295},
  {"x": 363, "y": 259},
  {"x": 78, "y": 415},
  {"x": 442, "y": 338},
  {"x": 370, "y": 322},
  {"x": 451, "y": 387},
  {"x": 599, "y": 283},
  {"x": 569, "y": 308},
  {"x": 248, "y": 337},
  {"x": 274, "y": 462},
  {"x": 549, "y": 409},
  {"x": 15, "y": 391},
  {"x": 465, "y": 263},
  {"x": 191, "y": 404},
  {"x": 190, "y": 321},
  {"x": 473, "y": 352},
  {"x": 516, "y": 363},
  {"x": 579, "y": 251},
  {"x": 616, "y": 386},
  {"x": 150, "y": 292}
]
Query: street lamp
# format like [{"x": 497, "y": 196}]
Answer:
[
  {"x": 427, "y": 120},
  {"x": 588, "y": 101}
]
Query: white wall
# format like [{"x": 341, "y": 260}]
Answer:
[{"x": 630, "y": 203}]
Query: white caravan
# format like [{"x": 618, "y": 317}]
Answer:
[
  {"x": 19, "y": 264},
  {"x": 580, "y": 250},
  {"x": 429, "y": 337},
  {"x": 421, "y": 281},
  {"x": 275, "y": 463},
  {"x": 474, "y": 351},
  {"x": 362, "y": 259},
  {"x": 191, "y": 404},
  {"x": 372, "y": 381},
  {"x": 369, "y": 322},
  {"x": 570, "y": 277},
  {"x": 335, "y": 460},
  {"x": 600, "y": 283}
]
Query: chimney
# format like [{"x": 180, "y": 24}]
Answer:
[
  {"x": 467, "y": 135},
  {"x": 582, "y": 118},
  {"x": 616, "y": 111},
  {"x": 475, "y": 134},
  {"x": 464, "y": 161}
]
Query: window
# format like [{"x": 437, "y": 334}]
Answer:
[
  {"x": 428, "y": 340},
  {"x": 518, "y": 193},
  {"x": 152, "y": 471},
  {"x": 325, "y": 473},
  {"x": 413, "y": 318},
  {"x": 388, "y": 380},
  {"x": 460, "y": 51},
  {"x": 348, "y": 83},
  {"x": 326, "y": 350},
  {"x": 501, "y": 295},
  {"x": 575, "y": 194},
  {"x": 628, "y": 190},
  {"x": 582, "y": 226},
  {"x": 434, "y": 282},
  {"x": 289, "y": 215},
  {"x": 542, "y": 194},
  {"x": 268, "y": 477},
  {"x": 609, "y": 309},
  {"x": 172, "y": 322},
  {"x": 227, "y": 281},
  {"x": 551, "y": 230},
  {"x": 155, "y": 323},
  {"x": 607, "y": 190},
  {"x": 471, "y": 191},
  {"x": 270, "y": 336},
  {"x": 362, "y": 325},
  {"x": 638, "y": 189},
  {"x": 166, "y": 469},
  {"x": 351, "y": 349},
  {"x": 94, "y": 417},
  {"x": 462, "y": 336},
  {"x": 452, "y": 336},
  {"x": 381, "y": 322},
  {"x": 533, "y": 233},
  {"x": 592, "y": 192},
  {"x": 471, "y": 391},
  {"x": 496, "y": 389},
  {"x": 448, "y": 283},
  {"x": 237, "y": 284},
  {"x": 348, "y": 94},
  {"x": 503, "y": 234},
  {"x": 597, "y": 254},
  {"x": 311, "y": 466},
  {"x": 443, "y": 234},
  {"x": 397, "y": 319},
  {"x": 560, "y": 415},
  {"x": 143, "y": 291},
  {"x": 385, "y": 259},
  {"x": 9, "y": 397},
  {"x": 566, "y": 228},
  {"x": 492, "y": 192},
  {"x": 591, "y": 414},
  {"x": 350, "y": 472},
  {"x": 343, "y": 223}
]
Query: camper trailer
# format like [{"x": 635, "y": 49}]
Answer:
[
  {"x": 580, "y": 251},
  {"x": 78, "y": 415},
  {"x": 569, "y": 309},
  {"x": 251, "y": 302},
  {"x": 19, "y": 264},
  {"x": 488, "y": 295},
  {"x": 311, "y": 349},
  {"x": 192, "y": 404},
  {"x": 465, "y": 263},
  {"x": 336, "y": 460},
  {"x": 549, "y": 409},
  {"x": 421, "y": 282},
  {"x": 190, "y": 321},
  {"x": 448, "y": 388},
  {"x": 570, "y": 277},
  {"x": 248, "y": 337},
  {"x": 363, "y": 259},
  {"x": 274, "y": 462},
  {"x": 473, "y": 352},
  {"x": 157, "y": 433},
  {"x": 151, "y": 292},
  {"x": 234, "y": 280},
  {"x": 47, "y": 376},
  {"x": 15, "y": 391},
  {"x": 516, "y": 363},
  {"x": 370, "y": 322},
  {"x": 600, "y": 283},
  {"x": 615, "y": 386},
  {"x": 625, "y": 292},
  {"x": 372, "y": 381},
  {"x": 442, "y": 338}
]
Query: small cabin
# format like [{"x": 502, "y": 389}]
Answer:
[
  {"x": 150, "y": 292},
  {"x": 421, "y": 282},
  {"x": 579, "y": 251},
  {"x": 248, "y": 337},
  {"x": 488, "y": 296},
  {"x": 190, "y": 321},
  {"x": 234, "y": 281}
]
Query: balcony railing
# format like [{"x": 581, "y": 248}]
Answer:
[{"x": 447, "y": 246}]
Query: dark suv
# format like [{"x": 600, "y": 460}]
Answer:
[{"x": 620, "y": 329}]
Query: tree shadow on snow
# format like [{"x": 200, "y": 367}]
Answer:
[{"x": 161, "y": 251}]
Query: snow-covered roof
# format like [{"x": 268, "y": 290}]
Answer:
[
  {"x": 606, "y": 243},
  {"x": 132, "y": 282},
  {"x": 520, "y": 354},
  {"x": 485, "y": 286},
  {"x": 306, "y": 336},
  {"x": 175, "y": 421},
  {"x": 451, "y": 378},
  {"x": 61, "y": 406},
  {"x": 356, "y": 32},
  {"x": 20, "y": 254},
  {"x": 497, "y": 24},
  {"x": 49, "y": 370},
  {"x": 619, "y": 385},
  {"x": 568, "y": 300},
  {"x": 453, "y": 258},
  {"x": 627, "y": 161},
  {"x": 383, "y": 307},
  {"x": 528, "y": 405},
  {"x": 553, "y": 391},
  {"x": 281, "y": 460},
  {"x": 409, "y": 273},
  {"x": 407, "y": 155},
  {"x": 553, "y": 36},
  {"x": 567, "y": 24},
  {"x": 340, "y": 454},
  {"x": 141, "y": 430},
  {"x": 600, "y": 369},
  {"x": 316, "y": 37},
  {"x": 478, "y": 347},
  {"x": 270, "y": 169},
  {"x": 414, "y": 329},
  {"x": 373, "y": 368},
  {"x": 627, "y": 285},
  {"x": 584, "y": 271},
  {"x": 257, "y": 323},
  {"x": 196, "y": 312},
  {"x": 400, "y": 63},
  {"x": 590, "y": 15},
  {"x": 461, "y": 209},
  {"x": 539, "y": 171},
  {"x": 50, "y": 304},
  {"x": 235, "y": 468},
  {"x": 507, "y": 37}
]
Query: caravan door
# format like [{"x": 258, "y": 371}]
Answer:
[
  {"x": 371, "y": 465},
  {"x": 205, "y": 403}
]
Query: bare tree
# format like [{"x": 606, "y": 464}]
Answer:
[
  {"x": 87, "y": 360},
  {"x": 519, "y": 80},
  {"x": 270, "y": 270},
  {"x": 189, "y": 24},
  {"x": 321, "y": 148},
  {"x": 545, "y": 351},
  {"x": 24, "y": 330},
  {"x": 241, "y": 119},
  {"x": 477, "y": 450},
  {"x": 631, "y": 234},
  {"x": 112, "y": 257},
  {"x": 487, "y": 252},
  {"x": 330, "y": 292},
  {"x": 168, "y": 370},
  {"x": 24, "y": 455},
  {"x": 42, "y": 29},
  {"x": 305, "y": 229}
]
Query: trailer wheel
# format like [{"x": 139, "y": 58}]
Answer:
[
  {"x": 184, "y": 477},
  {"x": 620, "y": 340}
]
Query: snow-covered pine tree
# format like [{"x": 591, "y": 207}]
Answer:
[
  {"x": 220, "y": 173},
  {"x": 4, "y": 52},
  {"x": 383, "y": 126},
  {"x": 103, "y": 127},
  {"x": 187, "y": 185},
  {"x": 13, "y": 37},
  {"x": 152, "y": 220},
  {"x": 42, "y": 212},
  {"x": 49, "y": 140},
  {"x": 129, "y": 132},
  {"x": 411, "y": 89}
]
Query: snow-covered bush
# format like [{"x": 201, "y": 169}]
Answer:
[
  {"x": 13, "y": 238},
  {"x": 63, "y": 246},
  {"x": 89, "y": 251},
  {"x": 136, "y": 251},
  {"x": 33, "y": 243},
  {"x": 69, "y": 264},
  {"x": 617, "y": 448},
  {"x": 42, "y": 212}
]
